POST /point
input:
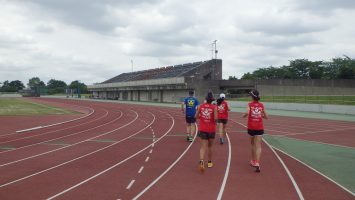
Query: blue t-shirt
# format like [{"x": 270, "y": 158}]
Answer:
[{"x": 191, "y": 104}]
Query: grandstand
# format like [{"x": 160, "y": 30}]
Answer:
[{"x": 163, "y": 84}]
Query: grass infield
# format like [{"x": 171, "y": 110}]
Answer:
[{"x": 19, "y": 106}]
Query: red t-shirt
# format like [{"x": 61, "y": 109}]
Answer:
[
  {"x": 222, "y": 110},
  {"x": 255, "y": 117},
  {"x": 207, "y": 123}
]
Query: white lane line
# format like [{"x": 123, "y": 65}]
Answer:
[
  {"x": 59, "y": 123},
  {"x": 294, "y": 183},
  {"x": 322, "y": 131},
  {"x": 83, "y": 156},
  {"x": 130, "y": 184},
  {"x": 45, "y": 142},
  {"x": 140, "y": 170},
  {"x": 32, "y": 136},
  {"x": 151, "y": 151},
  {"x": 113, "y": 166},
  {"x": 167, "y": 170},
  {"x": 299, "y": 193},
  {"x": 311, "y": 141},
  {"x": 147, "y": 159},
  {"x": 220, "y": 194},
  {"x": 331, "y": 180},
  {"x": 45, "y": 133}
]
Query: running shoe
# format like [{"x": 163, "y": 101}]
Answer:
[
  {"x": 257, "y": 167},
  {"x": 209, "y": 164},
  {"x": 221, "y": 140},
  {"x": 201, "y": 166},
  {"x": 252, "y": 163},
  {"x": 190, "y": 138}
]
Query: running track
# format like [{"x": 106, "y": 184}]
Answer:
[{"x": 122, "y": 151}]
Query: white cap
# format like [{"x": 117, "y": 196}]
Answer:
[{"x": 222, "y": 95}]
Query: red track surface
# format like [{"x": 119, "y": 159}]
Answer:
[{"x": 121, "y": 150}]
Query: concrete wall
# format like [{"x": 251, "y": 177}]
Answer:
[
  {"x": 144, "y": 95},
  {"x": 174, "y": 95},
  {"x": 336, "y": 109},
  {"x": 305, "y": 87},
  {"x": 152, "y": 82}
]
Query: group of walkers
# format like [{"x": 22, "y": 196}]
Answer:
[{"x": 213, "y": 119}]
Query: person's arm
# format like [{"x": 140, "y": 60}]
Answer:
[
  {"x": 229, "y": 109},
  {"x": 197, "y": 115},
  {"x": 215, "y": 113},
  {"x": 183, "y": 107},
  {"x": 265, "y": 116},
  {"x": 247, "y": 113}
]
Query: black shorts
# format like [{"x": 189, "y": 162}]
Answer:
[
  {"x": 255, "y": 132},
  {"x": 206, "y": 136},
  {"x": 190, "y": 120},
  {"x": 223, "y": 121}
]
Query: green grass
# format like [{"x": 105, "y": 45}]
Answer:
[
  {"x": 337, "y": 100},
  {"x": 18, "y": 106}
]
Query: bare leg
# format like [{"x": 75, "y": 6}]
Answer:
[
  {"x": 192, "y": 129},
  {"x": 188, "y": 129},
  {"x": 252, "y": 142},
  {"x": 219, "y": 129},
  {"x": 257, "y": 141},
  {"x": 204, "y": 146},
  {"x": 210, "y": 144}
]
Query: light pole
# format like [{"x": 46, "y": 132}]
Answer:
[
  {"x": 214, "y": 49},
  {"x": 132, "y": 65},
  {"x": 78, "y": 89}
]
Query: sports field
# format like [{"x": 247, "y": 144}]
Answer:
[
  {"x": 20, "y": 106},
  {"x": 137, "y": 151}
]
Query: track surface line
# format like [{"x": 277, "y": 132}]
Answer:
[
  {"x": 331, "y": 180},
  {"x": 299, "y": 193},
  {"x": 110, "y": 168},
  {"x": 220, "y": 194},
  {"x": 70, "y": 161},
  {"x": 71, "y": 145}
]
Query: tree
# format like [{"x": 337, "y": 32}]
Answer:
[
  {"x": 345, "y": 66},
  {"x": 56, "y": 86},
  {"x": 35, "y": 82},
  {"x": 232, "y": 78},
  {"x": 75, "y": 85},
  {"x": 13, "y": 86},
  {"x": 248, "y": 76}
]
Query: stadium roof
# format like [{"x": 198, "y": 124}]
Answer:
[{"x": 157, "y": 73}]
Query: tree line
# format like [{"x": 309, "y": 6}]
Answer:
[
  {"x": 53, "y": 86},
  {"x": 338, "y": 68}
]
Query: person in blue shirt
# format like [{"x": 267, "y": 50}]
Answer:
[{"x": 189, "y": 108}]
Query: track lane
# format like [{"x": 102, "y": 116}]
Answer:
[{"x": 73, "y": 165}]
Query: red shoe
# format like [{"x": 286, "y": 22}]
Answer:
[{"x": 252, "y": 163}]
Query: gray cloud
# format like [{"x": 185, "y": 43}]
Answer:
[
  {"x": 89, "y": 14},
  {"x": 325, "y": 6},
  {"x": 94, "y": 40}
]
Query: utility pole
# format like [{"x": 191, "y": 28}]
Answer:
[{"x": 132, "y": 65}]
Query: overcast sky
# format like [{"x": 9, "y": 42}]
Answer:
[{"x": 94, "y": 40}]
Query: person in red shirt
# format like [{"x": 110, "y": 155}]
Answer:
[
  {"x": 222, "y": 114},
  {"x": 207, "y": 113},
  {"x": 255, "y": 113}
]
